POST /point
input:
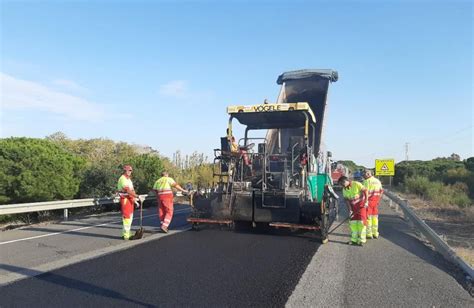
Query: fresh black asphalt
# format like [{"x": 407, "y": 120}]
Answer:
[
  {"x": 211, "y": 267},
  {"x": 217, "y": 267}
]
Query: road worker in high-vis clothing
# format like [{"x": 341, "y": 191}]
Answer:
[
  {"x": 234, "y": 147},
  {"x": 164, "y": 195},
  {"x": 356, "y": 196},
  {"x": 375, "y": 191},
  {"x": 127, "y": 200}
]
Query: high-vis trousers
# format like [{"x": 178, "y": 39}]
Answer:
[
  {"x": 373, "y": 226},
  {"x": 165, "y": 209},
  {"x": 126, "y": 206},
  {"x": 358, "y": 231},
  {"x": 358, "y": 223},
  {"x": 373, "y": 218}
]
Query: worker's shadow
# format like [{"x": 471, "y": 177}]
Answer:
[
  {"x": 396, "y": 230},
  {"x": 51, "y": 277}
]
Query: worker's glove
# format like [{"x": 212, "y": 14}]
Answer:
[
  {"x": 185, "y": 193},
  {"x": 366, "y": 204},
  {"x": 137, "y": 204}
]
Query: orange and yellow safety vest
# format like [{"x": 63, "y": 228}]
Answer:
[
  {"x": 354, "y": 192},
  {"x": 163, "y": 185},
  {"x": 374, "y": 187},
  {"x": 124, "y": 185}
]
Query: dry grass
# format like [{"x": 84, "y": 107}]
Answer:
[
  {"x": 465, "y": 254},
  {"x": 445, "y": 213},
  {"x": 456, "y": 225}
]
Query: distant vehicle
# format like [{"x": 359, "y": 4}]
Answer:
[
  {"x": 358, "y": 175},
  {"x": 338, "y": 170}
]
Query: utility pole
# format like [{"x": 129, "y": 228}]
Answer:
[{"x": 406, "y": 150}]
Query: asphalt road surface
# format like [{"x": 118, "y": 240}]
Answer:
[
  {"x": 39, "y": 248},
  {"x": 217, "y": 267}
]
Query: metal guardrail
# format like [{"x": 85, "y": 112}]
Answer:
[
  {"x": 440, "y": 245},
  {"x": 20, "y": 208}
]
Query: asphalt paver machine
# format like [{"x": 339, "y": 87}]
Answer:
[{"x": 279, "y": 178}]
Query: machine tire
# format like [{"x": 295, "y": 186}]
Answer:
[{"x": 325, "y": 228}]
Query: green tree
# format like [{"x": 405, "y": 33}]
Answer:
[
  {"x": 147, "y": 169},
  {"x": 435, "y": 169},
  {"x": 204, "y": 175},
  {"x": 469, "y": 164},
  {"x": 104, "y": 159},
  {"x": 99, "y": 180},
  {"x": 34, "y": 170}
]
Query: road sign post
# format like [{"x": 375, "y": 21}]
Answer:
[{"x": 385, "y": 167}]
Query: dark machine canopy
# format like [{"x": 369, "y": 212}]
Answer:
[
  {"x": 278, "y": 119},
  {"x": 268, "y": 116}
]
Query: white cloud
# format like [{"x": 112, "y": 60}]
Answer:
[
  {"x": 180, "y": 90},
  {"x": 69, "y": 85},
  {"x": 175, "y": 88},
  {"x": 18, "y": 94}
]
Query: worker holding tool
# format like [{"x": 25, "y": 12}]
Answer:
[
  {"x": 164, "y": 196},
  {"x": 127, "y": 200},
  {"x": 375, "y": 191},
  {"x": 356, "y": 196}
]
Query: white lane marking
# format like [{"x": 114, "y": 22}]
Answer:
[{"x": 78, "y": 229}]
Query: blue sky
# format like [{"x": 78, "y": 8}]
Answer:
[{"x": 161, "y": 73}]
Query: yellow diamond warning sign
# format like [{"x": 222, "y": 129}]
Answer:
[{"x": 384, "y": 167}]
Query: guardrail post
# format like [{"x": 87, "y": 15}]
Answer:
[{"x": 66, "y": 214}]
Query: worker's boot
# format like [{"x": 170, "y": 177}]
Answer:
[
  {"x": 164, "y": 229},
  {"x": 126, "y": 236},
  {"x": 375, "y": 226}
]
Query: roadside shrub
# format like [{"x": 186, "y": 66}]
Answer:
[
  {"x": 99, "y": 180},
  {"x": 456, "y": 175},
  {"x": 462, "y": 200},
  {"x": 33, "y": 170},
  {"x": 437, "y": 192},
  {"x": 418, "y": 185}
]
